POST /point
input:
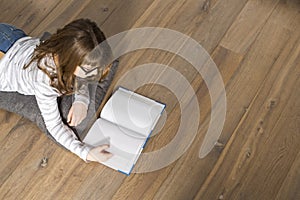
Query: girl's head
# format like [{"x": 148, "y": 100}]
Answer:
[{"x": 76, "y": 50}]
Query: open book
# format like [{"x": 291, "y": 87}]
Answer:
[{"x": 126, "y": 122}]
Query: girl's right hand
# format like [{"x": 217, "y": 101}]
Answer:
[{"x": 99, "y": 154}]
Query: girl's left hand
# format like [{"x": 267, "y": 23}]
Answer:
[{"x": 77, "y": 113}]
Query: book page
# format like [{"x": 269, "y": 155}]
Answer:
[
  {"x": 125, "y": 148},
  {"x": 132, "y": 111}
]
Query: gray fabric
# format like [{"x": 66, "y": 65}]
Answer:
[{"x": 26, "y": 105}]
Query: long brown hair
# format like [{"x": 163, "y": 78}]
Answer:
[{"x": 74, "y": 44}]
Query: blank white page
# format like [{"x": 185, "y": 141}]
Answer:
[{"x": 132, "y": 111}]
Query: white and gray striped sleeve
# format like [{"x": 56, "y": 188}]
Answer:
[
  {"x": 82, "y": 95},
  {"x": 47, "y": 101}
]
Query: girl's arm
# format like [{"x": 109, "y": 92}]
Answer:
[
  {"x": 47, "y": 101},
  {"x": 79, "y": 109},
  {"x": 82, "y": 93}
]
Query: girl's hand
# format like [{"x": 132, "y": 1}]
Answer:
[
  {"x": 77, "y": 113},
  {"x": 99, "y": 154}
]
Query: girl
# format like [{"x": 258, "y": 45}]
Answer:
[{"x": 61, "y": 65}]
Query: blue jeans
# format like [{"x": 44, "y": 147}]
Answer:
[{"x": 8, "y": 36}]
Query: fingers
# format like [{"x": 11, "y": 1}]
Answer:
[
  {"x": 100, "y": 154},
  {"x": 76, "y": 114},
  {"x": 102, "y": 148},
  {"x": 73, "y": 119},
  {"x": 106, "y": 155},
  {"x": 69, "y": 118}
]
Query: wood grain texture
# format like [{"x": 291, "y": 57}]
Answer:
[
  {"x": 251, "y": 139},
  {"x": 256, "y": 47},
  {"x": 248, "y": 25},
  {"x": 289, "y": 188}
]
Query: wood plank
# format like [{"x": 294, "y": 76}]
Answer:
[
  {"x": 289, "y": 188},
  {"x": 195, "y": 171},
  {"x": 59, "y": 16},
  {"x": 288, "y": 15},
  {"x": 14, "y": 147},
  {"x": 7, "y": 122},
  {"x": 67, "y": 11},
  {"x": 247, "y": 26},
  {"x": 30, "y": 168},
  {"x": 114, "y": 16},
  {"x": 279, "y": 150},
  {"x": 235, "y": 110},
  {"x": 6, "y": 14},
  {"x": 255, "y": 68},
  {"x": 258, "y": 138},
  {"x": 61, "y": 164},
  {"x": 32, "y": 14}
]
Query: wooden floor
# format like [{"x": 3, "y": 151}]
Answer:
[{"x": 256, "y": 46}]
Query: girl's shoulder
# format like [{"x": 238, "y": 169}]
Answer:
[
  {"x": 43, "y": 83},
  {"x": 27, "y": 41},
  {"x": 47, "y": 63}
]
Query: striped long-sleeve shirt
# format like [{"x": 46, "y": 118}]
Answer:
[{"x": 33, "y": 81}]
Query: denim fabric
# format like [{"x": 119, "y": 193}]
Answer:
[{"x": 8, "y": 36}]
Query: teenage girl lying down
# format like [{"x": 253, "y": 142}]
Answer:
[{"x": 57, "y": 66}]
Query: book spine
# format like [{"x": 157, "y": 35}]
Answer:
[
  {"x": 163, "y": 109},
  {"x": 131, "y": 169},
  {"x": 152, "y": 129},
  {"x": 139, "y": 153},
  {"x": 147, "y": 139}
]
